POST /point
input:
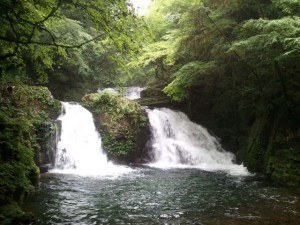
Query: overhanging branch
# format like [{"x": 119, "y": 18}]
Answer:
[
  {"x": 49, "y": 43},
  {"x": 59, "y": 3}
]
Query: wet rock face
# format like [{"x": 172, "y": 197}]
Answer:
[
  {"x": 123, "y": 126},
  {"x": 283, "y": 162},
  {"x": 47, "y": 133},
  {"x": 39, "y": 109},
  {"x": 263, "y": 144},
  {"x": 26, "y": 115},
  {"x": 155, "y": 97},
  {"x": 141, "y": 153}
]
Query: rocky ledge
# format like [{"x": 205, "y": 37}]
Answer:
[{"x": 123, "y": 125}]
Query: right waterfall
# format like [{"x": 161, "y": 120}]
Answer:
[{"x": 179, "y": 142}]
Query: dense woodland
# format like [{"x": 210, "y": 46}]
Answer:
[
  {"x": 236, "y": 64},
  {"x": 233, "y": 64},
  {"x": 67, "y": 44}
]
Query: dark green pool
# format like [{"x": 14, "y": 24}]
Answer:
[{"x": 155, "y": 196}]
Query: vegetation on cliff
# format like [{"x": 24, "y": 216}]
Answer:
[
  {"x": 235, "y": 63},
  {"x": 23, "y": 111},
  {"x": 70, "y": 46},
  {"x": 123, "y": 125}
]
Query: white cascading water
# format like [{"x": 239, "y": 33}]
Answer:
[
  {"x": 110, "y": 90},
  {"x": 178, "y": 142},
  {"x": 79, "y": 149},
  {"x": 131, "y": 93}
]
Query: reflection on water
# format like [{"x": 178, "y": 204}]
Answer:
[{"x": 153, "y": 196}]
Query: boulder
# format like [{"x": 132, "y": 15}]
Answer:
[{"x": 123, "y": 125}]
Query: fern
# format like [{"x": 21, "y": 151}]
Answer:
[
  {"x": 187, "y": 76},
  {"x": 288, "y": 7}
]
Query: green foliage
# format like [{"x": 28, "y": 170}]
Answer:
[
  {"x": 159, "y": 53},
  {"x": 17, "y": 169},
  {"x": 117, "y": 148},
  {"x": 80, "y": 43},
  {"x": 187, "y": 76},
  {"x": 284, "y": 167},
  {"x": 253, "y": 55},
  {"x": 8, "y": 212},
  {"x": 23, "y": 109},
  {"x": 120, "y": 119},
  {"x": 269, "y": 39},
  {"x": 156, "y": 51},
  {"x": 287, "y": 7},
  {"x": 37, "y": 102},
  {"x": 273, "y": 47},
  {"x": 236, "y": 60}
]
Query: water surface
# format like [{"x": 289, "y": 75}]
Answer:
[{"x": 155, "y": 196}]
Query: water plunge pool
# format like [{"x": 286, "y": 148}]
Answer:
[{"x": 156, "y": 196}]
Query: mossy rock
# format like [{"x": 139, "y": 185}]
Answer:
[
  {"x": 36, "y": 101},
  {"x": 284, "y": 166},
  {"x": 155, "y": 97},
  {"x": 13, "y": 214},
  {"x": 269, "y": 150},
  {"x": 24, "y": 111},
  {"x": 123, "y": 125}
]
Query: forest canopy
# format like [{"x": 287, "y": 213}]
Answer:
[
  {"x": 247, "y": 46},
  {"x": 66, "y": 41},
  {"x": 246, "y": 49},
  {"x": 231, "y": 65}
]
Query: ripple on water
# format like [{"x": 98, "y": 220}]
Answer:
[{"x": 154, "y": 196}]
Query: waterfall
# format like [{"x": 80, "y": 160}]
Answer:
[
  {"x": 110, "y": 90},
  {"x": 79, "y": 149},
  {"x": 131, "y": 93},
  {"x": 178, "y": 142}
]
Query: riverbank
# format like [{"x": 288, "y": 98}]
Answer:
[{"x": 26, "y": 115}]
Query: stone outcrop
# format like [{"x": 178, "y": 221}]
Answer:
[
  {"x": 154, "y": 97},
  {"x": 123, "y": 126},
  {"x": 266, "y": 144},
  {"x": 26, "y": 114}
]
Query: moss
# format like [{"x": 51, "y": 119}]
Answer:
[
  {"x": 255, "y": 150},
  {"x": 118, "y": 148},
  {"x": 16, "y": 156},
  {"x": 284, "y": 164},
  {"x": 8, "y": 212},
  {"x": 23, "y": 111},
  {"x": 155, "y": 97},
  {"x": 269, "y": 150},
  {"x": 155, "y": 102},
  {"x": 18, "y": 171},
  {"x": 36, "y": 101},
  {"x": 120, "y": 120},
  {"x": 13, "y": 214}
]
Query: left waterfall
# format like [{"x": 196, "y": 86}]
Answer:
[{"x": 79, "y": 149}]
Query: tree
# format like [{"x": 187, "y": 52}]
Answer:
[{"x": 35, "y": 34}]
